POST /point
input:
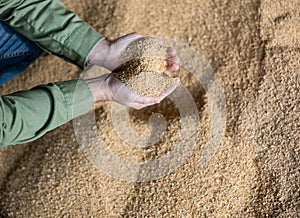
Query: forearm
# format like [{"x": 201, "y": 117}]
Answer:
[
  {"x": 54, "y": 28},
  {"x": 27, "y": 115},
  {"x": 99, "y": 88}
]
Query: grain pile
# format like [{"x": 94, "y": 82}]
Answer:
[
  {"x": 253, "y": 47},
  {"x": 143, "y": 67}
]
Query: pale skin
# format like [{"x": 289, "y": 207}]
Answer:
[{"x": 108, "y": 88}]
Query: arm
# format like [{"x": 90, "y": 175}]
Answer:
[
  {"x": 52, "y": 26},
  {"x": 27, "y": 115},
  {"x": 57, "y": 30}
]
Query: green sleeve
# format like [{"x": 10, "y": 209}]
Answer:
[
  {"x": 51, "y": 26},
  {"x": 27, "y": 115}
]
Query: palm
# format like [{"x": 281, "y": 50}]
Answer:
[
  {"x": 123, "y": 95},
  {"x": 107, "y": 54},
  {"x": 116, "y": 48}
]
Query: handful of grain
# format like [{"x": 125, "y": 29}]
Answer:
[{"x": 143, "y": 68}]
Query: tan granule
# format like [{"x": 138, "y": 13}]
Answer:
[
  {"x": 143, "y": 68},
  {"x": 149, "y": 84},
  {"x": 144, "y": 47},
  {"x": 255, "y": 172}
]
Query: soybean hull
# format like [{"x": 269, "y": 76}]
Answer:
[
  {"x": 143, "y": 68},
  {"x": 253, "y": 47}
]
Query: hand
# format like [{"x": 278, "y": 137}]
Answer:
[
  {"x": 109, "y": 88},
  {"x": 107, "y": 53}
]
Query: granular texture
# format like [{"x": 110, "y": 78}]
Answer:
[
  {"x": 145, "y": 47},
  {"x": 143, "y": 68},
  {"x": 253, "y": 47},
  {"x": 147, "y": 83}
]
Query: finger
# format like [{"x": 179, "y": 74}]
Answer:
[
  {"x": 125, "y": 40},
  {"x": 147, "y": 100},
  {"x": 173, "y": 60},
  {"x": 172, "y": 67},
  {"x": 133, "y": 36},
  {"x": 168, "y": 72},
  {"x": 171, "y": 52},
  {"x": 170, "y": 89},
  {"x": 139, "y": 106}
]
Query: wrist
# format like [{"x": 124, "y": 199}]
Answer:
[
  {"x": 99, "y": 53},
  {"x": 99, "y": 88}
]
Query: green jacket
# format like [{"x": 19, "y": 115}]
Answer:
[{"x": 27, "y": 115}]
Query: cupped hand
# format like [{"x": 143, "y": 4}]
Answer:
[
  {"x": 120, "y": 93},
  {"x": 107, "y": 53},
  {"x": 107, "y": 87}
]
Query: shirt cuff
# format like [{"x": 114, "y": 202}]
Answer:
[
  {"x": 78, "y": 97},
  {"x": 87, "y": 63}
]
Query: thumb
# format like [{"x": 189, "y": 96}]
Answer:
[{"x": 125, "y": 40}]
